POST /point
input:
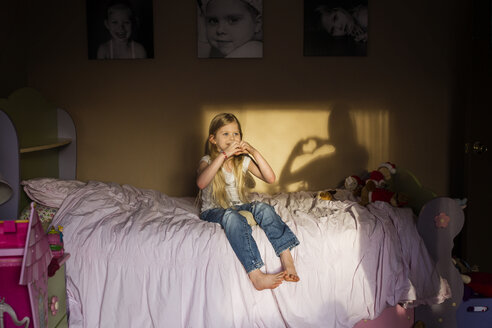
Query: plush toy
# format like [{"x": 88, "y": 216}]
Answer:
[
  {"x": 387, "y": 169},
  {"x": 327, "y": 195},
  {"x": 374, "y": 188},
  {"x": 463, "y": 268},
  {"x": 354, "y": 184},
  {"x": 336, "y": 194},
  {"x": 376, "y": 180},
  {"x": 380, "y": 194}
]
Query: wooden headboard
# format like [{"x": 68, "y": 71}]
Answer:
[{"x": 36, "y": 140}]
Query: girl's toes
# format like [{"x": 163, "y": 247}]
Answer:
[{"x": 291, "y": 277}]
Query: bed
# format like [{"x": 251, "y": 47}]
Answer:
[{"x": 140, "y": 258}]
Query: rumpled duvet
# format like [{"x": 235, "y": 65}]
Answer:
[{"x": 139, "y": 258}]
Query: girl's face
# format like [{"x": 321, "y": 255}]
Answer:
[
  {"x": 230, "y": 24},
  {"x": 337, "y": 22},
  {"x": 226, "y": 135},
  {"x": 119, "y": 23}
]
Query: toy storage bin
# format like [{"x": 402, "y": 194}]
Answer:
[
  {"x": 475, "y": 313},
  {"x": 12, "y": 240},
  {"x": 27, "y": 281},
  {"x": 13, "y": 294}
]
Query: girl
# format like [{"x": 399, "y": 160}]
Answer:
[
  {"x": 233, "y": 27},
  {"x": 120, "y": 23},
  {"x": 340, "y": 22},
  {"x": 221, "y": 178}
]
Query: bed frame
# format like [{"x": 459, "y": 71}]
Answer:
[
  {"x": 39, "y": 140},
  {"x": 440, "y": 221}
]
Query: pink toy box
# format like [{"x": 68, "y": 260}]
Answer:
[
  {"x": 12, "y": 241},
  {"x": 24, "y": 260}
]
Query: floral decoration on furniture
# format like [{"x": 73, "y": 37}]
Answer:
[{"x": 441, "y": 220}]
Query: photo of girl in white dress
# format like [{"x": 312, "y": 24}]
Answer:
[{"x": 120, "y": 29}]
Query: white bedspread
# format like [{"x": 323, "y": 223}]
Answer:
[{"x": 142, "y": 259}]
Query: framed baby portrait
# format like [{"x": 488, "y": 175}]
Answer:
[
  {"x": 120, "y": 29},
  {"x": 229, "y": 28},
  {"x": 335, "y": 27}
]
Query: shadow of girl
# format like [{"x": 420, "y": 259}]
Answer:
[{"x": 343, "y": 156}]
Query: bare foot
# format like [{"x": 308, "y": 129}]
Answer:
[
  {"x": 290, "y": 273},
  {"x": 265, "y": 280}
]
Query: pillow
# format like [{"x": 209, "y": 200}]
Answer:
[
  {"x": 45, "y": 214},
  {"x": 50, "y": 192}
]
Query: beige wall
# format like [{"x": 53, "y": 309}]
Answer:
[{"x": 142, "y": 122}]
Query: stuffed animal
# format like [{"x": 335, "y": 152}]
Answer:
[
  {"x": 387, "y": 169},
  {"x": 326, "y": 195},
  {"x": 463, "y": 268},
  {"x": 375, "y": 186},
  {"x": 336, "y": 194},
  {"x": 380, "y": 194},
  {"x": 354, "y": 184}
]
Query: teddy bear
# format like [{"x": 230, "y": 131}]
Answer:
[
  {"x": 375, "y": 187},
  {"x": 463, "y": 269},
  {"x": 381, "y": 194},
  {"x": 387, "y": 169},
  {"x": 354, "y": 184},
  {"x": 375, "y": 181}
]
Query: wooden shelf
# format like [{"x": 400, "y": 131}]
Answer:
[
  {"x": 37, "y": 138},
  {"x": 52, "y": 144}
]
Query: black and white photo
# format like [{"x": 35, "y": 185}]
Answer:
[
  {"x": 120, "y": 29},
  {"x": 230, "y": 28},
  {"x": 335, "y": 27}
]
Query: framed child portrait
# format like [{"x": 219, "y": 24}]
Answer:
[
  {"x": 229, "y": 28},
  {"x": 335, "y": 27},
  {"x": 120, "y": 29}
]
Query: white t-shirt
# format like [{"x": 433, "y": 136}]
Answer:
[
  {"x": 231, "y": 188},
  {"x": 251, "y": 49}
]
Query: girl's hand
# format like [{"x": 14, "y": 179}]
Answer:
[
  {"x": 308, "y": 145},
  {"x": 246, "y": 147},
  {"x": 233, "y": 149},
  {"x": 358, "y": 34}
]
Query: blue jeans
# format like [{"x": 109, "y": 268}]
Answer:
[{"x": 238, "y": 231}]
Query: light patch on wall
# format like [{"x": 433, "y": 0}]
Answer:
[
  {"x": 296, "y": 138},
  {"x": 372, "y": 128}
]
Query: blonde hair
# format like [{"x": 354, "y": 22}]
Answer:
[{"x": 219, "y": 194}]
